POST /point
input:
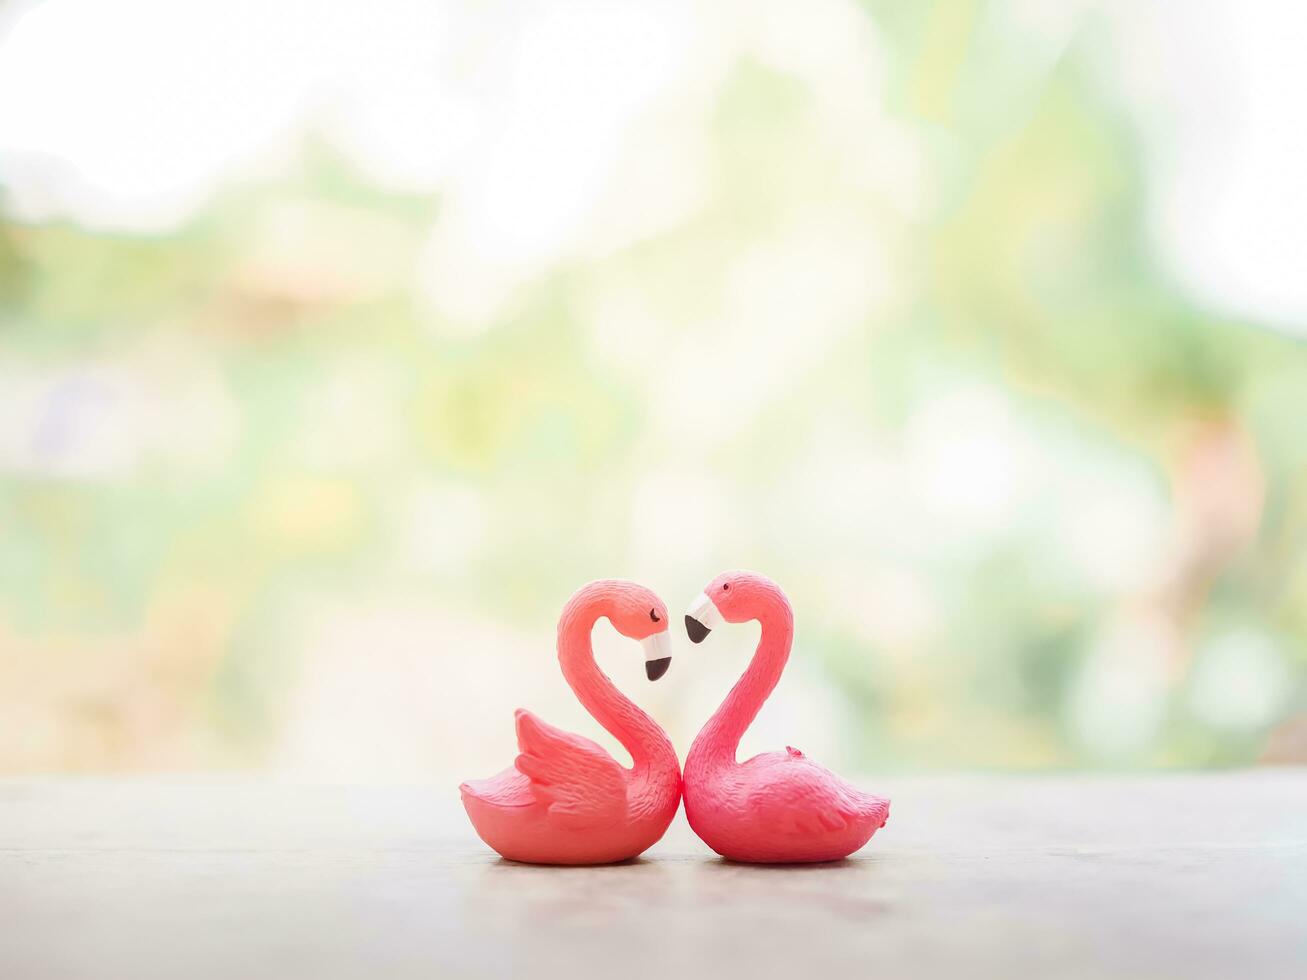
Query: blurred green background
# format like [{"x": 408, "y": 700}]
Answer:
[{"x": 340, "y": 343}]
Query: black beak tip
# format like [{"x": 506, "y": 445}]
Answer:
[
  {"x": 654, "y": 669},
  {"x": 696, "y": 630}
]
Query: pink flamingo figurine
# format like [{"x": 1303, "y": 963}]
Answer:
[
  {"x": 566, "y": 800},
  {"x": 779, "y": 807}
]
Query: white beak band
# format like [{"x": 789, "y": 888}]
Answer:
[
  {"x": 705, "y": 612},
  {"x": 658, "y": 646}
]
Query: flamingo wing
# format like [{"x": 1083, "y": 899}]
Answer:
[
  {"x": 508, "y": 789},
  {"x": 804, "y": 799},
  {"x": 580, "y": 783}
]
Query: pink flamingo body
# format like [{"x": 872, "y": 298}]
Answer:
[
  {"x": 778, "y": 807},
  {"x": 565, "y": 800}
]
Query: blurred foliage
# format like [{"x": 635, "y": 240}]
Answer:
[{"x": 259, "y": 410}]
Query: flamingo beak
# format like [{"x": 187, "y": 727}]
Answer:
[
  {"x": 657, "y": 654},
  {"x": 701, "y": 618}
]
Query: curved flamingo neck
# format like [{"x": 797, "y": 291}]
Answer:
[
  {"x": 651, "y": 750},
  {"x": 720, "y": 738}
]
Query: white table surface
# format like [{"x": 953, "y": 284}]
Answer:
[{"x": 1177, "y": 875}]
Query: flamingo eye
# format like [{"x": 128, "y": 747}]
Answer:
[{"x": 653, "y": 614}]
